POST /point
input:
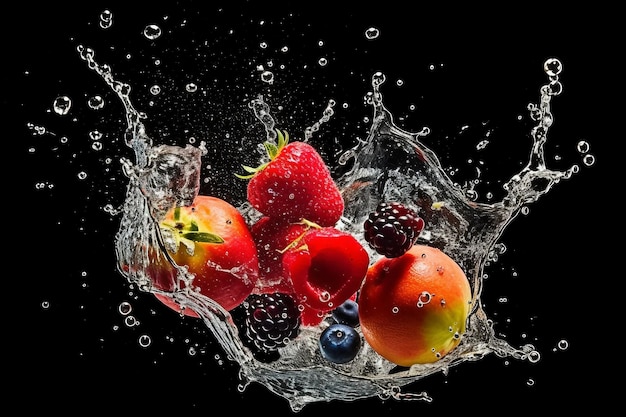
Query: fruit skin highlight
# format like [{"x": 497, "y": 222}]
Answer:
[
  {"x": 212, "y": 239},
  {"x": 413, "y": 309}
]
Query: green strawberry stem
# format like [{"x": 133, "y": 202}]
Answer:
[{"x": 272, "y": 150}]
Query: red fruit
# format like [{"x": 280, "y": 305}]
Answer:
[
  {"x": 272, "y": 238},
  {"x": 295, "y": 184},
  {"x": 211, "y": 238},
  {"x": 326, "y": 268}
]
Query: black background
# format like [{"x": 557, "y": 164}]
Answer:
[{"x": 78, "y": 355}]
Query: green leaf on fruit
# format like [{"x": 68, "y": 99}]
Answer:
[
  {"x": 272, "y": 150},
  {"x": 204, "y": 237}
]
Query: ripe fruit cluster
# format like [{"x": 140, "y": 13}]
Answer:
[
  {"x": 300, "y": 251},
  {"x": 293, "y": 267}
]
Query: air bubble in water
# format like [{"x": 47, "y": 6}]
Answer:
[
  {"x": 152, "y": 32},
  {"x": 62, "y": 105},
  {"x": 372, "y": 33},
  {"x": 96, "y": 102},
  {"x": 563, "y": 344}
]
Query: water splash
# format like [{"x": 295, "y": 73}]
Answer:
[{"x": 390, "y": 164}]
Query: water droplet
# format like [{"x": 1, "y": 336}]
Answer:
[
  {"x": 125, "y": 308},
  {"x": 284, "y": 48},
  {"x": 191, "y": 87},
  {"x": 263, "y": 45},
  {"x": 395, "y": 310},
  {"x": 45, "y": 305},
  {"x": 152, "y": 32},
  {"x": 372, "y": 33},
  {"x": 583, "y": 146},
  {"x": 155, "y": 90},
  {"x": 552, "y": 67},
  {"x": 95, "y": 135},
  {"x": 589, "y": 160},
  {"x": 82, "y": 175},
  {"x": 96, "y": 102},
  {"x": 62, "y": 105},
  {"x": 324, "y": 296},
  {"x": 130, "y": 321},
  {"x": 144, "y": 340},
  {"x": 534, "y": 356},
  {"x": 106, "y": 19},
  {"x": 322, "y": 62},
  {"x": 530, "y": 382},
  {"x": 267, "y": 77},
  {"x": 562, "y": 344}
]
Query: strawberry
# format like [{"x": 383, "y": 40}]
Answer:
[{"x": 294, "y": 184}]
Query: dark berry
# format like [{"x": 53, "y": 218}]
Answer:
[
  {"x": 392, "y": 229},
  {"x": 347, "y": 313},
  {"x": 272, "y": 320},
  {"x": 339, "y": 343}
]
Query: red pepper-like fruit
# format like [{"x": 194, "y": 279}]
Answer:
[
  {"x": 295, "y": 184},
  {"x": 326, "y": 268}
]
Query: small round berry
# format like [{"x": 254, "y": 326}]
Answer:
[
  {"x": 347, "y": 313},
  {"x": 339, "y": 343},
  {"x": 392, "y": 229}
]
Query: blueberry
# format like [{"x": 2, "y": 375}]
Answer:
[
  {"x": 347, "y": 313},
  {"x": 339, "y": 343}
]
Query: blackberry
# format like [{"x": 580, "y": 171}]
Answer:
[
  {"x": 271, "y": 321},
  {"x": 392, "y": 229}
]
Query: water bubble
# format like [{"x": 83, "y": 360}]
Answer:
[
  {"x": 152, "y": 32},
  {"x": 267, "y": 77},
  {"x": 589, "y": 160},
  {"x": 191, "y": 87},
  {"x": 530, "y": 382},
  {"x": 322, "y": 62},
  {"x": 106, "y": 19},
  {"x": 96, "y": 102},
  {"x": 125, "y": 308},
  {"x": 553, "y": 67},
  {"x": 45, "y": 305},
  {"x": 395, "y": 310},
  {"x": 562, "y": 344},
  {"x": 284, "y": 48},
  {"x": 95, "y": 135},
  {"x": 372, "y": 33},
  {"x": 97, "y": 146},
  {"x": 144, "y": 340},
  {"x": 534, "y": 356},
  {"x": 130, "y": 321},
  {"x": 263, "y": 45},
  {"x": 583, "y": 146},
  {"x": 155, "y": 90},
  {"x": 82, "y": 175},
  {"x": 62, "y": 105},
  {"x": 324, "y": 296}
]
